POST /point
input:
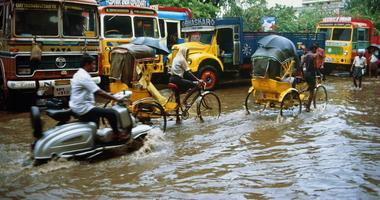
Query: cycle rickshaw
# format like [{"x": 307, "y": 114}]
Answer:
[
  {"x": 131, "y": 69},
  {"x": 274, "y": 84}
]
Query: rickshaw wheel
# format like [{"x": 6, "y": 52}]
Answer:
[
  {"x": 291, "y": 104},
  {"x": 208, "y": 106},
  {"x": 320, "y": 98},
  {"x": 251, "y": 104},
  {"x": 151, "y": 114}
]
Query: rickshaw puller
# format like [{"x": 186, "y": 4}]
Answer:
[{"x": 308, "y": 64}]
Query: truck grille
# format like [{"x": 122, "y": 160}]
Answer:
[{"x": 51, "y": 62}]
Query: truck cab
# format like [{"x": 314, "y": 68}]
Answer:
[{"x": 214, "y": 47}]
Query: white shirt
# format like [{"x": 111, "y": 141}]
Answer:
[
  {"x": 179, "y": 66},
  {"x": 360, "y": 62},
  {"x": 373, "y": 58},
  {"x": 82, "y": 98}
]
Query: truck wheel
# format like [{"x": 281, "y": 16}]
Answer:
[{"x": 210, "y": 75}]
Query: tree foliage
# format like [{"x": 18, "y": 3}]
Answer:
[
  {"x": 287, "y": 19},
  {"x": 199, "y": 8},
  {"x": 364, "y": 8}
]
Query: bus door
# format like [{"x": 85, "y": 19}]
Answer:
[{"x": 170, "y": 32}]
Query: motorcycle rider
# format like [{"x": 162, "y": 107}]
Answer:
[{"x": 82, "y": 98}]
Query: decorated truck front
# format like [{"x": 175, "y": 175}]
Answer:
[
  {"x": 41, "y": 46},
  {"x": 346, "y": 36}
]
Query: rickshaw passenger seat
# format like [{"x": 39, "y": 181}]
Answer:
[{"x": 173, "y": 86}]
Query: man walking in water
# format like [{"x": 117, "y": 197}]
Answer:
[
  {"x": 308, "y": 65},
  {"x": 357, "y": 68}
]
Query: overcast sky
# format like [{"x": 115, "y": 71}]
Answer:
[{"x": 294, "y": 3}]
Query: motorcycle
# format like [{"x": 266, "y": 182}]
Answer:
[{"x": 75, "y": 139}]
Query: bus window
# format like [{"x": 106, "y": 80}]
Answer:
[
  {"x": 362, "y": 34},
  {"x": 79, "y": 21},
  {"x": 327, "y": 31},
  {"x": 36, "y": 19},
  {"x": 162, "y": 28},
  {"x": 117, "y": 26},
  {"x": 146, "y": 27},
  {"x": 342, "y": 34}
]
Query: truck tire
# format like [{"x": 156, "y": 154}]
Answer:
[{"x": 210, "y": 75}]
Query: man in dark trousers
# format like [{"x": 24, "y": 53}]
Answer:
[{"x": 308, "y": 64}]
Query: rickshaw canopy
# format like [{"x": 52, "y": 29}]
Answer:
[
  {"x": 137, "y": 51},
  {"x": 152, "y": 42},
  {"x": 272, "y": 55}
]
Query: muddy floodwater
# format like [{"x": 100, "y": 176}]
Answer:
[{"x": 330, "y": 154}]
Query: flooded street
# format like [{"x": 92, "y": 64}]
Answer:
[{"x": 334, "y": 154}]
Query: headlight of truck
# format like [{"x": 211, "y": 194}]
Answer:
[
  {"x": 345, "y": 53},
  {"x": 189, "y": 61}
]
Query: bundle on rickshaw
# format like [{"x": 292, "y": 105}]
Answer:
[{"x": 130, "y": 65}]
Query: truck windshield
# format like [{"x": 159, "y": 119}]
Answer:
[
  {"x": 79, "y": 21},
  {"x": 327, "y": 31},
  {"x": 117, "y": 26},
  {"x": 203, "y": 37},
  {"x": 342, "y": 34},
  {"x": 146, "y": 27},
  {"x": 36, "y": 19}
]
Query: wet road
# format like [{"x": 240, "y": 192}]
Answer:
[{"x": 333, "y": 154}]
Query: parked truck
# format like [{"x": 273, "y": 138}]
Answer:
[
  {"x": 218, "y": 48},
  {"x": 41, "y": 44}
]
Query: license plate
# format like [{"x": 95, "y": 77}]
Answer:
[{"x": 61, "y": 90}]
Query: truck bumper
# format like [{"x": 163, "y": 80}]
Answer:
[
  {"x": 20, "y": 85},
  {"x": 50, "y": 87}
]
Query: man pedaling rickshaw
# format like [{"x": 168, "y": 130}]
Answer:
[{"x": 308, "y": 64}]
